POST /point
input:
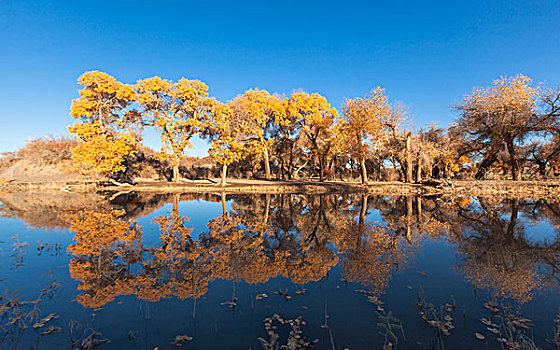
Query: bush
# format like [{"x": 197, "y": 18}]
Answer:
[
  {"x": 47, "y": 150},
  {"x": 6, "y": 159}
]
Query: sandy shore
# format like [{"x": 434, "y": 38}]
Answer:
[{"x": 455, "y": 187}]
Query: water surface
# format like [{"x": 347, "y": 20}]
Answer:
[{"x": 333, "y": 271}]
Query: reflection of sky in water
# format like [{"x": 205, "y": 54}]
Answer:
[
  {"x": 540, "y": 232},
  {"x": 431, "y": 266}
]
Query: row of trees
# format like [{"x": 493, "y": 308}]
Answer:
[{"x": 512, "y": 125}]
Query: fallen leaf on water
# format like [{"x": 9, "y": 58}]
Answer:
[
  {"x": 491, "y": 306},
  {"x": 42, "y": 322},
  {"x": 423, "y": 273},
  {"x": 180, "y": 339},
  {"x": 479, "y": 336},
  {"x": 51, "y": 329}
]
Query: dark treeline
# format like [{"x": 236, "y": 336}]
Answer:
[{"x": 507, "y": 130}]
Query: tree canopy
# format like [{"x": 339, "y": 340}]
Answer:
[{"x": 511, "y": 127}]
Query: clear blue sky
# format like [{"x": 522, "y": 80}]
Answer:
[{"x": 427, "y": 54}]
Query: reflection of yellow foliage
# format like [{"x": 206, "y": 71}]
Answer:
[
  {"x": 98, "y": 291},
  {"x": 517, "y": 284},
  {"x": 110, "y": 261},
  {"x": 101, "y": 238},
  {"x": 98, "y": 232},
  {"x": 464, "y": 201},
  {"x": 369, "y": 254},
  {"x": 312, "y": 264}
]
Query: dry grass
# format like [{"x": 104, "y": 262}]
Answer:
[{"x": 6, "y": 159}]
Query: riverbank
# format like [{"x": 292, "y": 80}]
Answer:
[{"x": 533, "y": 189}]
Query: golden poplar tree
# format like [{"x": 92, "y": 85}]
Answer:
[
  {"x": 363, "y": 128},
  {"x": 316, "y": 117},
  {"x": 176, "y": 110},
  {"x": 105, "y": 136},
  {"x": 499, "y": 117},
  {"x": 257, "y": 109},
  {"x": 227, "y": 133}
]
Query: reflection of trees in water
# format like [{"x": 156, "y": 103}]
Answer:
[
  {"x": 106, "y": 246},
  {"x": 496, "y": 252},
  {"x": 55, "y": 210},
  {"x": 303, "y": 237},
  {"x": 489, "y": 234},
  {"x": 298, "y": 237},
  {"x": 369, "y": 252}
]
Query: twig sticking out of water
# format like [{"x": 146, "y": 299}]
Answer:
[
  {"x": 18, "y": 251},
  {"x": 390, "y": 324},
  {"x": 91, "y": 341},
  {"x": 325, "y": 325},
  {"x": 439, "y": 318},
  {"x": 16, "y": 315},
  {"x": 556, "y": 339},
  {"x": 510, "y": 329}
]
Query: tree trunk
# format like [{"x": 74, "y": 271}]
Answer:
[
  {"x": 281, "y": 174},
  {"x": 419, "y": 206},
  {"x": 514, "y": 162},
  {"x": 266, "y": 163},
  {"x": 224, "y": 174},
  {"x": 176, "y": 204},
  {"x": 321, "y": 168},
  {"x": 430, "y": 169},
  {"x": 363, "y": 212},
  {"x": 408, "y": 158},
  {"x": 176, "y": 171},
  {"x": 267, "y": 207},
  {"x": 485, "y": 164},
  {"x": 224, "y": 207},
  {"x": 408, "y": 219},
  {"x": 340, "y": 169},
  {"x": 513, "y": 218},
  {"x": 291, "y": 164},
  {"x": 419, "y": 171},
  {"x": 364, "y": 170}
]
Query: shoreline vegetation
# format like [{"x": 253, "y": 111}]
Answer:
[
  {"x": 459, "y": 188},
  {"x": 505, "y": 141}
]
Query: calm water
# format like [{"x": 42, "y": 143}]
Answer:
[{"x": 262, "y": 271}]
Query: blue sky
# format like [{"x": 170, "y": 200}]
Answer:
[{"x": 427, "y": 54}]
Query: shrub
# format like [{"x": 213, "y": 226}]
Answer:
[
  {"x": 47, "y": 150},
  {"x": 6, "y": 159}
]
